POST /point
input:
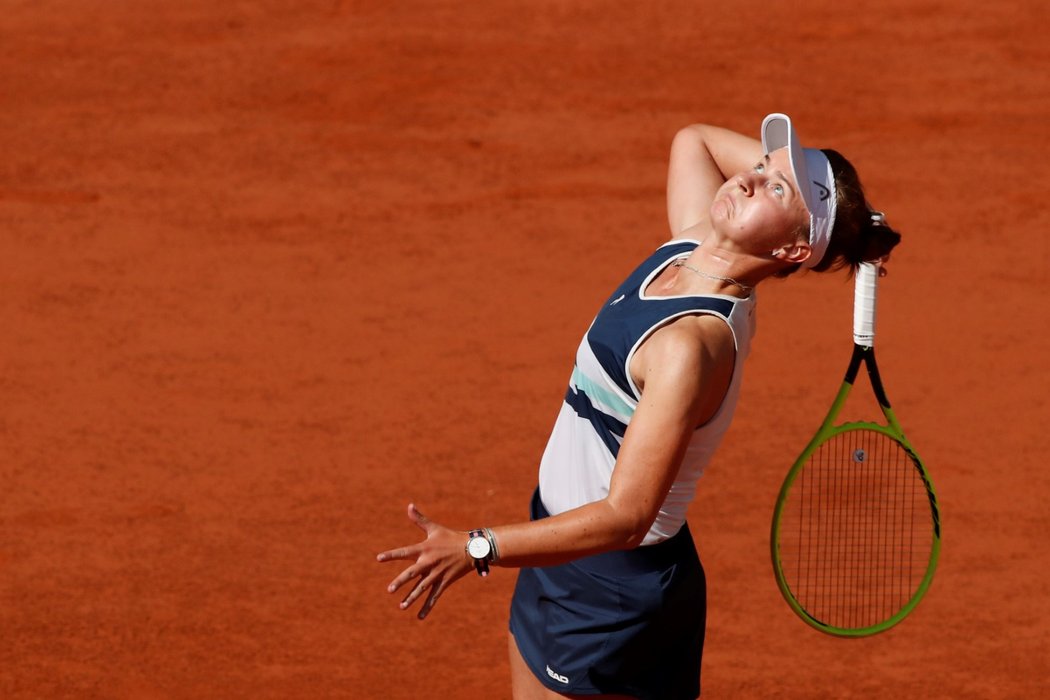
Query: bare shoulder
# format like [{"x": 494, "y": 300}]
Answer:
[
  {"x": 696, "y": 349},
  {"x": 703, "y": 334}
]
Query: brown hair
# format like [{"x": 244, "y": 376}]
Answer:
[{"x": 856, "y": 237}]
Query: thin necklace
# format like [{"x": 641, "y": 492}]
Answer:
[{"x": 681, "y": 263}]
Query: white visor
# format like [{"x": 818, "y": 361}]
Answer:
[{"x": 816, "y": 181}]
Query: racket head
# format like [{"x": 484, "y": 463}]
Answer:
[{"x": 856, "y": 530}]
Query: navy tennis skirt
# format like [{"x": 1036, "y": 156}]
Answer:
[{"x": 625, "y": 622}]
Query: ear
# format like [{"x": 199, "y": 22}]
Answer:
[{"x": 793, "y": 253}]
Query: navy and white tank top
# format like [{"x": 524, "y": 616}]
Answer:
[{"x": 580, "y": 457}]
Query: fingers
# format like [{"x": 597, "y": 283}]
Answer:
[
  {"x": 430, "y": 602},
  {"x": 432, "y": 582},
  {"x": 419, "y": 589},
  {"x": 403, "y": 578},
  {"x": 400, "y": 553},
  {"x": 421, "y": 521},
  {"x": 435, "y": 563}
]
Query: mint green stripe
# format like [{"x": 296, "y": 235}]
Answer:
[{"x": 600, "y": 393}]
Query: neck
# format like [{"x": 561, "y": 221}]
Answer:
[
  {"x": 720, "y": 283},
  {"x": 722, "y": 257},
  {"x": 725, "y": 266},
  {"x": 725, "y": 259}
]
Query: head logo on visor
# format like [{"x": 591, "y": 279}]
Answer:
[{"x": 808, "y": 165}]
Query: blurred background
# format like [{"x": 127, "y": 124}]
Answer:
[{"x": 272, "y": 270}]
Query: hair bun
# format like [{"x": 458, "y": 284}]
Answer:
[{"x": 878, "y": 238}]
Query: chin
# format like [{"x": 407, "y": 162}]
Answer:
[{"x": 719, "y": 209}]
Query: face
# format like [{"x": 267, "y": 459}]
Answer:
[{"x": 761, "y": 209}]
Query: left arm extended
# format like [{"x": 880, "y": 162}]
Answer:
[{"x": 681, "y": 367}]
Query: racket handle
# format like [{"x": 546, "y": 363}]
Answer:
[{"x": 864, "y": 305}]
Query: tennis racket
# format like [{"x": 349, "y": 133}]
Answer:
[{"x": 856, "y": 529}]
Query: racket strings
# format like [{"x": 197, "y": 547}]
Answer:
[{"x": 855, "y": 536}]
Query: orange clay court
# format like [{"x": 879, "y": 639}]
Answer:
[{"x": 214, "y": 409}]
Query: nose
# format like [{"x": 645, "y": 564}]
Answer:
[{"x": 745, "y": 181}]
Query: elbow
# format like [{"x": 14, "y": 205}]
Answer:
[
  {"x": 691, "y": 135},
  {"x": 688, "y": 137},
  {"x": 635, "y": 539},
  {"x": 638, "y": 533},
  {"x": 631, "y": 528}
]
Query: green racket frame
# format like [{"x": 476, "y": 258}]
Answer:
[{"x": 827, "y": 430}]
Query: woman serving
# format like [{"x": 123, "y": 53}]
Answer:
[{"x": 610, "y": 599}]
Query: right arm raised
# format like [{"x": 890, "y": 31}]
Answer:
[{"x": 703, "y": 157}]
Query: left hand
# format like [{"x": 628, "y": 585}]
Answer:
[{"x": 437, "y": 562}]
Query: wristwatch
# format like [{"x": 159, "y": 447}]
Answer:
[{"x": 480, "y": 550}]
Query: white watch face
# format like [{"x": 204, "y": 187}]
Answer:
[{"x": 478, "y": 547}]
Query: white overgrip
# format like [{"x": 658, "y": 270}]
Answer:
[{"x": 864, "y": 305}]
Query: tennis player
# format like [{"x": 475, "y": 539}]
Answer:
[{"x": 611, "y": 596}]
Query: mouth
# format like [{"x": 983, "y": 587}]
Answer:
[{"x": 730, "y": 205}]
